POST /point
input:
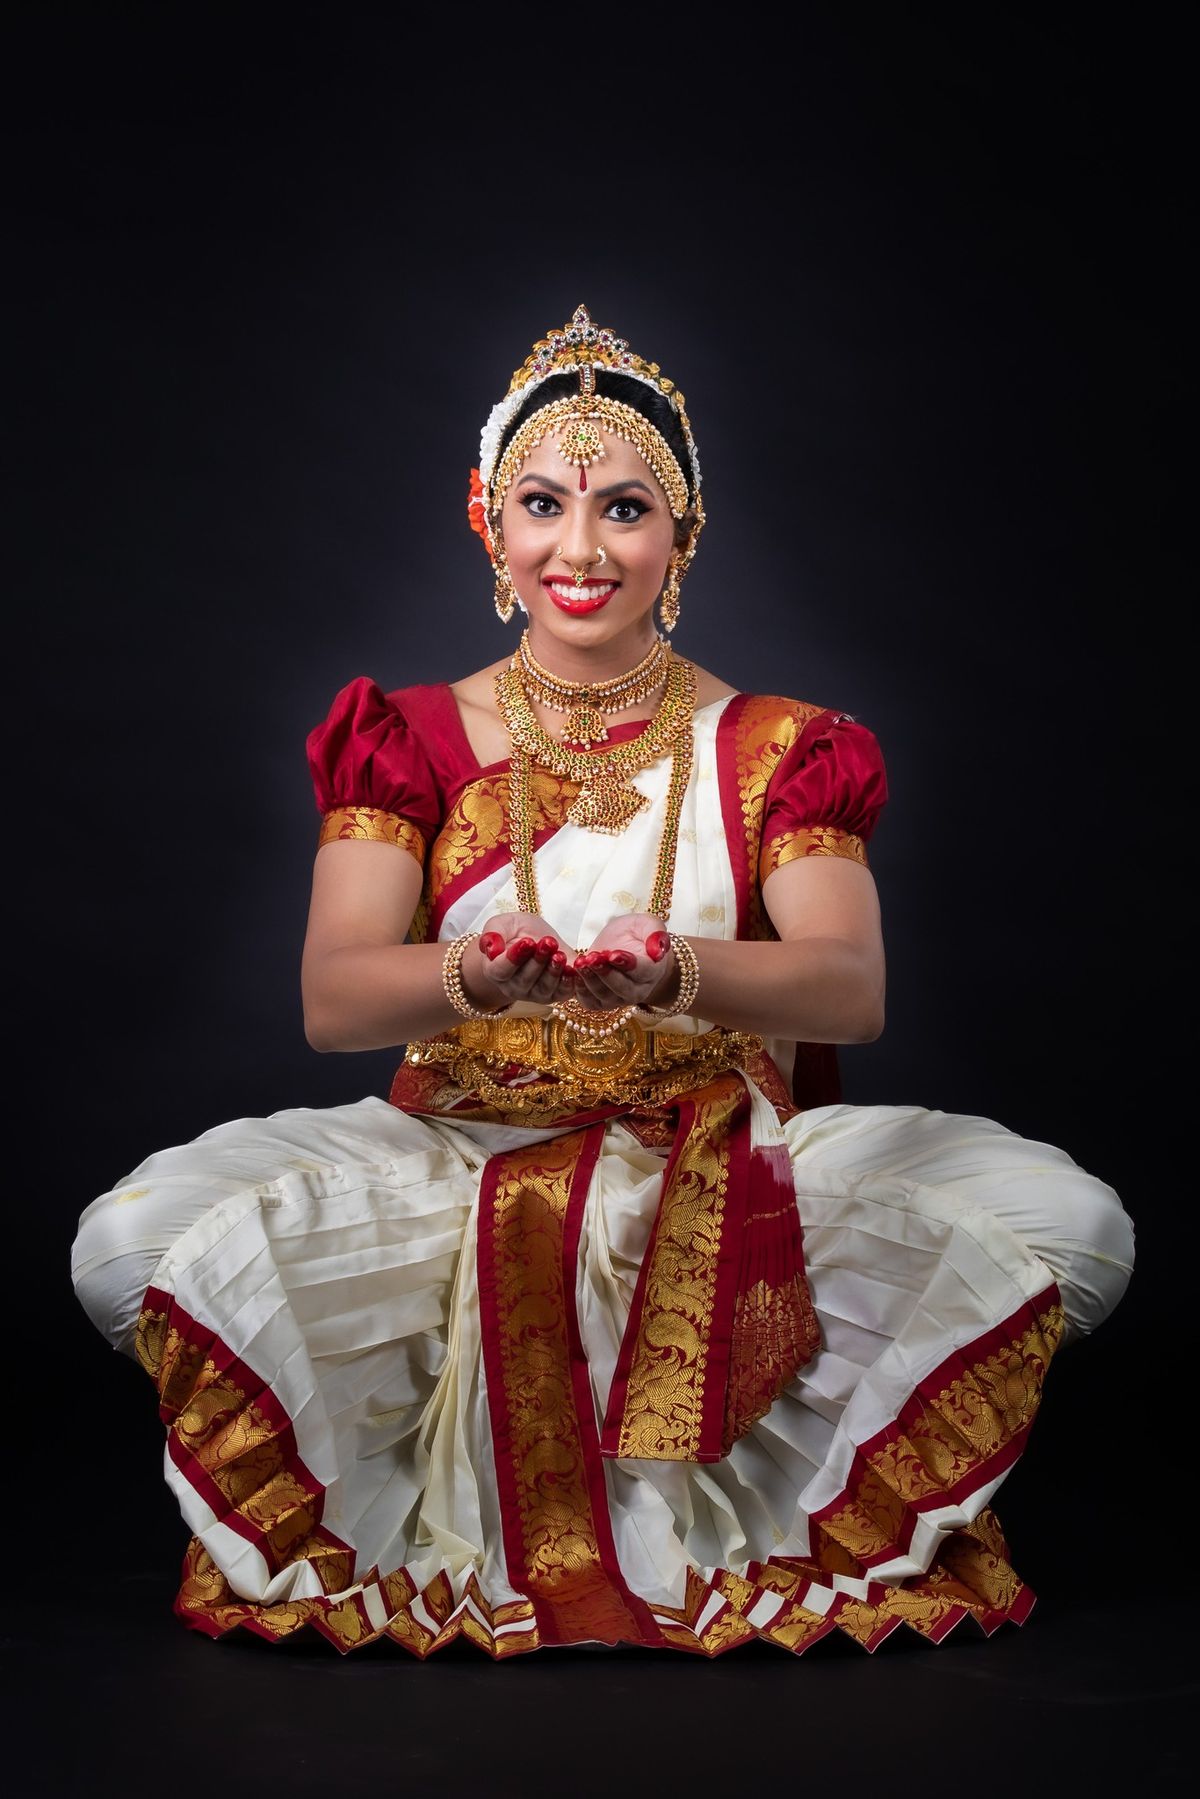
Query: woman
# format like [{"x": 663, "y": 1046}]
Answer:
[{"x": 613, "y": 1324}]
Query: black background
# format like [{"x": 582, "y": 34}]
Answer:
[{"x": 919, "y": 282}]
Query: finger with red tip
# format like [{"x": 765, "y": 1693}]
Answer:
[
  {"x": 521, "y": 950},
  {"x": 547, "y": 946},
  {"x": 491, "y": 943},
  {"x": 622, "y": 959},
  {"x": 558, "y": 961},
  {"x": 657, "y": 945}
]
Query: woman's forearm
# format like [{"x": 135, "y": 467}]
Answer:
[
  {"x": 812, "y": 990},
  {"x": 376, "y": 996},
  {"x": 815, "y": 990}
]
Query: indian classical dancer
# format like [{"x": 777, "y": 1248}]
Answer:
[{"x": 613, "y": 1323}]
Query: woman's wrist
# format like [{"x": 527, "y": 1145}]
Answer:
[
  {"x": 680, "y": 984},
  {"x": 474, "y": 981}
]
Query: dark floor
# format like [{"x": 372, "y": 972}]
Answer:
[{"x": 120, "y": 1698}]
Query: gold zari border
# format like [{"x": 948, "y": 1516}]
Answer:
[
  {"x": 664, "y": 1401},
  {"x": 813, "y": 840},
  {"x": 371, "y": 824}
]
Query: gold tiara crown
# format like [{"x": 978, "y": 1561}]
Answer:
[{"x": 582, "y": 340}]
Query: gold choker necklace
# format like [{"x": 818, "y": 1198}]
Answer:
[{"x": 585, "y": 704}]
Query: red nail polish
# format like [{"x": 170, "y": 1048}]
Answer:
[
  {"x": 547, "y": 946},
  {"x": 521, "y": 950},
  {"x": 622, "y": 959},
  {"x": 558, "y": 961},
  {"x": 491, "y": 943},
  {"x": 657, "y": 945}
]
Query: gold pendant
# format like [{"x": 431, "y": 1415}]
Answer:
[
  {"x": 585, "y": 726},
  {"x": 607, "y": 806},
  {"x": 580, "y": 443}
]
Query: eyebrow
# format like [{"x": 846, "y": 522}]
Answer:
[{"x": 600, "y": 493}]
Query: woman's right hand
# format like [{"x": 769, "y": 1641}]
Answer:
[{"x": 517, "y": 955}]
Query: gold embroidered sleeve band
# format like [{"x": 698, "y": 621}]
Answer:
[
  {"x": 371, "y": 824},
  {"x": 814, "y": 840}
]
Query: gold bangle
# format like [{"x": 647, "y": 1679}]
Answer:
[
  {"x": 689, "y": 979},
  {"x": 456, "y": 993}
]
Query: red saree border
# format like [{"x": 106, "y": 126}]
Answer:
[
  {"x": 754, "y": 733},
  {"x": 472, "y": 841},
  {"x": 558, "y": 1541},
  {"x": 232, "y": 1440}
]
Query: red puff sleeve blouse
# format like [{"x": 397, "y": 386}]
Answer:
[
  {"x": 826, "y": 794},
  {"x": 371, "y": 776}
]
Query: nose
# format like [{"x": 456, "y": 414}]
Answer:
[{"x": 578, "y": 547}]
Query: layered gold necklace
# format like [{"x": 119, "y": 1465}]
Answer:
[
  {"x": 587, "y": 703},
  {"x": 605, "y": 802}
]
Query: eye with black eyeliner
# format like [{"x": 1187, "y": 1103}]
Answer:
[{"x": 531, "y": 499}]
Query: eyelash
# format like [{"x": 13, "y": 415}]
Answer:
[{"x": 642, "y": 508}]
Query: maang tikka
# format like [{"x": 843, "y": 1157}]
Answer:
[{"x": 575, "y": 421}]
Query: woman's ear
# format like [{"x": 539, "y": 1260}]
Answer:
[{"x": 684, "y": 527}]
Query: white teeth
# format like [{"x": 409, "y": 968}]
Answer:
[{"x": 566, "y": 591}]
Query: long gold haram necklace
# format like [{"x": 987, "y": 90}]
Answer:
[{"x": 605, "y": 802}]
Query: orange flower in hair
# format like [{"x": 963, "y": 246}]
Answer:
[{"x": 477, "y": 512}]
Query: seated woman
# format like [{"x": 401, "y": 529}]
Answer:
[{"x": 613, "y": 1323}]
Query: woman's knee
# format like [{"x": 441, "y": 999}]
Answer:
[
  {"x": 122, "y": 1237},
  {"x": 1086, "y": 1238}
]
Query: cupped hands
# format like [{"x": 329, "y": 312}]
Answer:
[{"x": 519, "y": 956}]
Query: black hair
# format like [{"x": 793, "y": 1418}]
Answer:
[{"x": 645, "y": 399}]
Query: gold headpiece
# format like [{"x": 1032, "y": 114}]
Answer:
[{"x": 574, "y": 420}]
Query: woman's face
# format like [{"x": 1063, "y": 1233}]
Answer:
[{"x": 622, "y": 509}]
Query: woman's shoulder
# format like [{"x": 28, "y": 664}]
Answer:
[{"x": 786, "y": 718}]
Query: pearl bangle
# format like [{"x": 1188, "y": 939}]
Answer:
[
  {"x": 689, "y": 979},
  {"x": 456, "y": 993}
]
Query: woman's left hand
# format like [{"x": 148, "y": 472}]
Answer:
[{"x": 631, "y": 962}]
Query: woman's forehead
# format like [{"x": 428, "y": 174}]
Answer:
[{"x": 620, "y": 462}]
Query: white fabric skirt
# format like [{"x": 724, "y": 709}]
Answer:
[{"x": 304, "y": 1290}]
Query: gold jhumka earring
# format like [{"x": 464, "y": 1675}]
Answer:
[
  {"x": 668, "y": 604},
  {"x": 506, "y": 593}
]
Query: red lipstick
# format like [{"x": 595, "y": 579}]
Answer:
[{"x": 583, "y": 605}]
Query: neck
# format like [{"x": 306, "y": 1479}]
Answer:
[{"x": 584, "y": 662}]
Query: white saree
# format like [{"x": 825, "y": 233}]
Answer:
[{"x": 364, "y": 1435}]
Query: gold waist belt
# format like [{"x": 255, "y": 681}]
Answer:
[{"x": 635, "y": 1065}]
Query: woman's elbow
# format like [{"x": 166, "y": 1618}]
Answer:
[
  {"x": 870, "y": 1026},
  {"x": 316, "y": 1036},
  {"x": 867, "y": 1013}
]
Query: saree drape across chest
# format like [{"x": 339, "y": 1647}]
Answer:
[{"x": 656, "y": 1341}]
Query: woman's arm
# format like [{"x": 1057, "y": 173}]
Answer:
[
  {"x": 822, "y": 983},
  {"x": 363, "y": 986}
]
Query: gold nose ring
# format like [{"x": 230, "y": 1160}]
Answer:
[{"x": 601, "y": 554}]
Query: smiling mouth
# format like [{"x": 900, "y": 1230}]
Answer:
[{"x": 586, "y": 596}]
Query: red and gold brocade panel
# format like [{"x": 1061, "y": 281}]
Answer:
[
  {"x": 557, "y": 1531},
  {"x": 473, "y": 839},
  {"x": 755, "y": 733}
]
